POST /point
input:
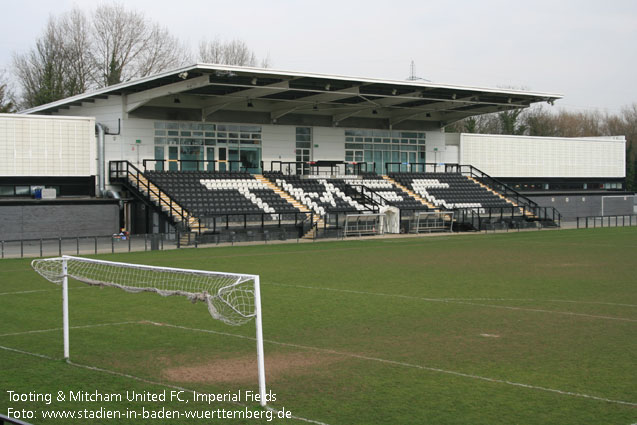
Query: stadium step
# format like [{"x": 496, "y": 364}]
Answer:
[
  {"x": 316, "y": 223},
  {"x": 281, "y": 193},
  {"x": 527, "y": 213},
  {"x": 411, "y": 193}
]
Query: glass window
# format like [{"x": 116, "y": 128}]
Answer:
[
  {"x": 6, "y": 190},
  {"x": 160, "y": 132},
  {"x": 22, "y": 190}
]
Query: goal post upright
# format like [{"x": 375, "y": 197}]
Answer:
[
  {"x": 259, "y": 328},
  {"x": 65, "y": 305}
]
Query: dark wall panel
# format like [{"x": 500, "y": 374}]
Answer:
[
  {"x": 582, "y": 205},
  {"x": 52, "y": 221}
]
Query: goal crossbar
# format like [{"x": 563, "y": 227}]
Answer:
[{"x": 231, "y": 297}]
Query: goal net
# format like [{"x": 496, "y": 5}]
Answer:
[{"x": 231, "y": 298}]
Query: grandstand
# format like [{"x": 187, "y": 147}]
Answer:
[{"x": 207, "y": 149}]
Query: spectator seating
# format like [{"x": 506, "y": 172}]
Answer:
[
  {"x": 451, "y": 190},
  {"x": 206, "y": 193}
]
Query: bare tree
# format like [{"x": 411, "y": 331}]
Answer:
[
  {"x": 42, "y": 71},
  {"x": 74, "y": 33},
  {"x": 233, "y": 52},
  {"x": 127, "y": 45},
  {"x": 78, "y": 52}
]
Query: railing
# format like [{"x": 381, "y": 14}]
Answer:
[
  {"x": 116, "y": 244},
  {"x": 366, "y": 196},
  {"x": 253, "y": 220},
  {"x": 83, "y": 245},
  {"x": 290, "y": 167},
  {"x": 478, "y": 218},
  {"x": 121, "y": 170},
  {"x": 611, "y": 221},
  {"x": 199, "y": 165}
]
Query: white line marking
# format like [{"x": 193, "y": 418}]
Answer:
[
  {"x": 71, "y": 327},
  {"x": 455, "y": 301},
  {"x": 137, "y": 378},
  {"x": 15, "y": 350},
  {"x": 537, "y": 301},
  {"x": 41, "y": 290},
  {"x": 409, "y": 365}
]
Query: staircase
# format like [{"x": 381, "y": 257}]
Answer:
[
  {"x": 316, "y": 219},
  {"x": 411, "y": 193},
  {"x": 135, "y": 180},
  {"x": 527, "y": 213},
  {"x": 283, "y": 194}
]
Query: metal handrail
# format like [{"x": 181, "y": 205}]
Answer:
[
  {"x": 202, "y": 161},
  {"x": 185, "y": 219}
]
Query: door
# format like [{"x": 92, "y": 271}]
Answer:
[
  {"x": 303, "y": 156},
  {"x": 233, "y": 160},
  {"x": 189, "y": 156},
  {"x": 173, "y": 158},
  {"x": 210, "y": 157},
  {"x": 222, "y": 153}
]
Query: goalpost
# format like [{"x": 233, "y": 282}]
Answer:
[{"x": 232, "y": 298}]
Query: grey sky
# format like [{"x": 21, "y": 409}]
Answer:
[{"x": 584, "y": 50}]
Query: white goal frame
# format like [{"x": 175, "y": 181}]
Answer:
[{"x": 64, "y": 277}]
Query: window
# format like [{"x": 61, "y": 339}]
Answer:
[
  {"x": 189, "y": 139},
  {"x": 379, "y": 148}
]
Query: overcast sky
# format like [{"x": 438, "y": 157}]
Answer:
[{"x": 585, "y": 50}]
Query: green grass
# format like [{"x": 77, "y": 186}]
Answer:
[{"x": 385, "y": 331}]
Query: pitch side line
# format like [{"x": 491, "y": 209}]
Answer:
[
  {"x": 41, "y": 290},
  {"x": 70, "y": 327},
  {"x": 456, "y": 301},
  {"x": 409, "y": 365},
  {"x": 137, "y": 378}
]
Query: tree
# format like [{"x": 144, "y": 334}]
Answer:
[
  {"x": 42, "y": 71},
  {"x": 233, "y": 52},
  {"x": 7, "y": 101},
  {"x": 78, "y": 52},
  {"x": 510, "y": 122},
  {"x": 127, "y": 45}
]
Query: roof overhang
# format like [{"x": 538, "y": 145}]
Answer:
[{"x": 205, "y": 90}]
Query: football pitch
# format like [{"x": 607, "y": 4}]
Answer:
[{"x": 516, "y": 328}]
